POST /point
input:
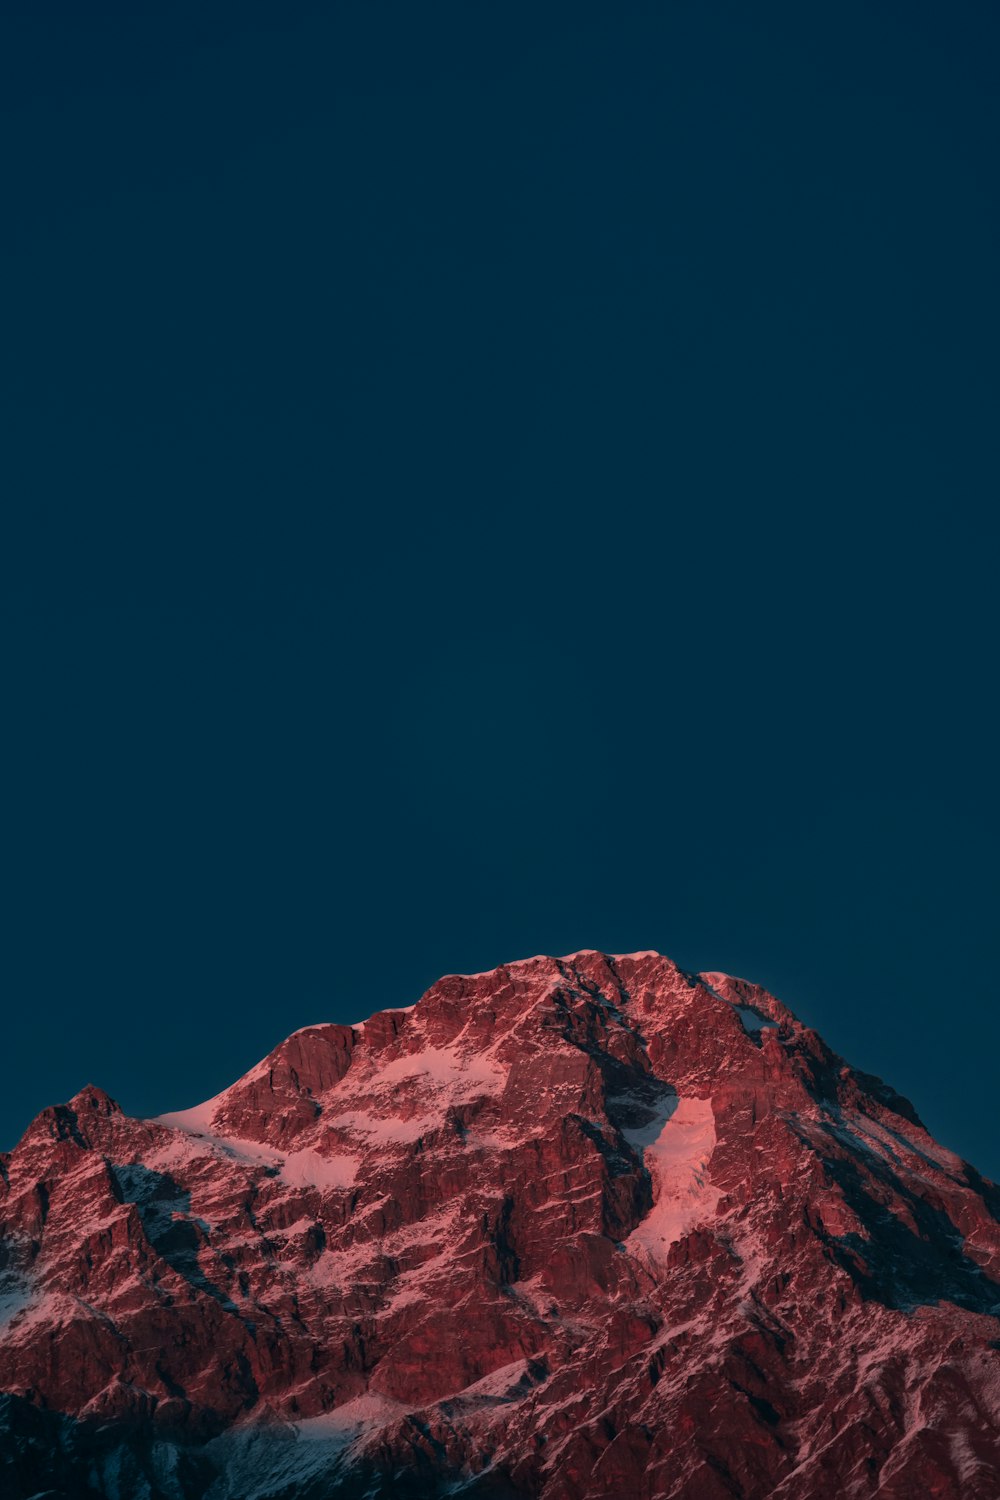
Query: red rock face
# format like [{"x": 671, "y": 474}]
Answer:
[{"x": 575, "y": 1228}]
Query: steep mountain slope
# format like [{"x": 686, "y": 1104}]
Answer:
[{"x": 574, "y": 1228}]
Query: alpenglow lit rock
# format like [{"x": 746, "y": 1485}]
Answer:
[{"x": 574, "y": 1228}]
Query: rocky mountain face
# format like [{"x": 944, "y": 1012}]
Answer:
[{"x": 575, "y": 1228}]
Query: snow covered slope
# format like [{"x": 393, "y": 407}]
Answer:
[{"x": 573, "y": 1228}]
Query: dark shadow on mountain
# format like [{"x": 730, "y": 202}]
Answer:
[
  {"x": 165, "y": 1210},
  {"x": 52, "y": 1455},
  {"x": 587, "y": 1031},
  {"x": 897, "y": 1266},
  {"x": 884, "y": 1092},
  {"x": 637, "y": 1104},
  {"x": 988, "y": 1191}
]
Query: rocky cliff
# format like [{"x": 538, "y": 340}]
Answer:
[{"x": 574, "y": 1228}]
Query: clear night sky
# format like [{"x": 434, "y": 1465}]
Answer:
[{"x": 488, "y": 480}]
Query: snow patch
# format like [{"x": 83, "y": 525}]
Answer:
[
  {"x": 753, "y": 1021},
  {"x": 499, "y": 1384},
  {"x": 677, "y": 1158},
  {"x": 309, "y": 1169},
  {"x": 347, "y": 1422},
  {"x": 196, "y": 1121},
  {"x": 646, "y": 1118},
  {"x": 505, "y": 1386},
  {"x": 258, "y": 1461},
  {"x": 445, "y": 1068},
  {"x": 422, "y": 1086},
  {"x": 16, "y": 1296},
  {"x": 303, "y": 1168},
  {"x": 385, "y": 1130}
]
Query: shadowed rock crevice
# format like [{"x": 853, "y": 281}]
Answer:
[
  {"x": 66, "y": 1126},
  {"x": 638, "y": 1105},
  {"x": 164, "y": 1208},
  {"x": 988, "y": 1191},
  {"x": 899, "y": 1267}
]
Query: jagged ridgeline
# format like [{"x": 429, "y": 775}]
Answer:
[{"x": 574, "y": 1228}]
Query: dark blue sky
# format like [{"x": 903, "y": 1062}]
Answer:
[{"x": 487, "y": 481}]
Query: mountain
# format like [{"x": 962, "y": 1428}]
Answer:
[{"x": 574, "y": 1228}]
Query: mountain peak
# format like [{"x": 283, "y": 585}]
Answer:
[
  {"x": 567, "y": 1228},
  {"x": 91, "y": 1099}
]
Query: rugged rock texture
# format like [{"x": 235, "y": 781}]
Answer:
[{"x": 575, "y": 1228}]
